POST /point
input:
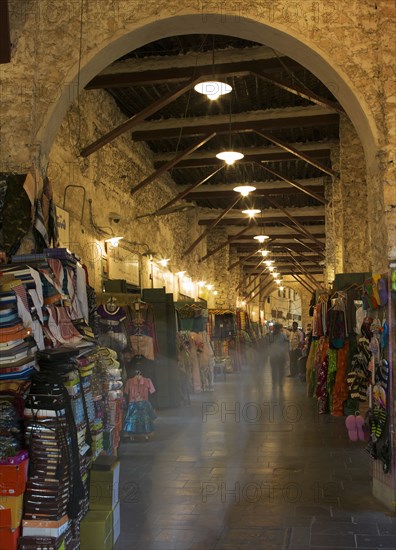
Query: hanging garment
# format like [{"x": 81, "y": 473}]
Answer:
[{"x": 341, "y": 391}]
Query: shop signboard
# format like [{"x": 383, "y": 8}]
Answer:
[{"x": 63, "y": 224}]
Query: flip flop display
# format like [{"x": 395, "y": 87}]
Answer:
[{"x": 350, "y": 423}]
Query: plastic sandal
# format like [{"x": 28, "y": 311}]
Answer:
[{"x": 350, "y": 423}]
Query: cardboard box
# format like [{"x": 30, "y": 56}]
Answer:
[
  {"x": 13, "y": 478},
  {"x": 104, "y": 488},
  {"x": 9, "y": 538},
  {"x": 37, "y": 528},
  {"x": 11, "y": 511},
  {"x": 41, "y": 543},
  {"x": 116, "y": 522},
  {"x": 96, "y": 530}
]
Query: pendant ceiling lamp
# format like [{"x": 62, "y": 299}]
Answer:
[
  {"x": 230, "y": 156},
  {"x": 264, "y": 252},
  {"x": 244, "y": 190},
  {"x": 251, "y": 212},
  {"x": 261, "y": 238},
  {"x": 213, "y": 89}
]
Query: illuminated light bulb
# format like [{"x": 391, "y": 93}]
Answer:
[
  {"x": 215, "y": 292},
  {"x": 271, "y": 268},
  {"x": 261, "y": 238},
  {"x": 113, "y": 241},
  {"x": 244, "y": 190},
  {"x": 281, "y": 288},
  {"x": 230, "y": 156},
  {"x": 264, "y": 253},
  {"x": 213, "y": 89},
  {"x": 269, "y": 262},
  {"x": 251, "y": 212},
  {"x": 275, "y": 274},
  {"x": 180, "y": 273},
  {"x": 201, "y": 283},
  {"x": 243, "y": 303},
  {"x": 164, "y": 262},
  {"x": 209, "y": 287}
]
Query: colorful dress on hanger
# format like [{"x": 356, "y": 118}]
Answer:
[{"x": 140, "y": 415}]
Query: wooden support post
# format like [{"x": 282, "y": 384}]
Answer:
[
  {"x": 211, "y": 226},
  {"x": 295, "y": 221},
  {"x": 294, "y": 184},
  {"x": 168, "y": 165},
  {"x": 187, "y": 191},
  {"x": 139, "y": 117},
  {"x": 299, "y": 154},
  {"x": 225, "y": 243}
]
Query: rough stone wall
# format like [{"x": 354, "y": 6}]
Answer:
[
  {"x": 58, "y": 47},
  {"x": 355, "y": 213},
  {"x": 334, "y": 222},
  {"x": 106, "y": 177},
  {"x": 218, "y": 268}
]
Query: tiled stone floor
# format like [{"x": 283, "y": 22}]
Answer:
[{"x": 247, "y": 466}]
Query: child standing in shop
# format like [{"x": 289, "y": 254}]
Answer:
[{"x": 140, "y": 414}]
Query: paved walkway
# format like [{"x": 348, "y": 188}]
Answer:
[{"x": 249, "y": 466}]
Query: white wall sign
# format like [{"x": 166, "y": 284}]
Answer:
[{"x": 123, "y": 264}]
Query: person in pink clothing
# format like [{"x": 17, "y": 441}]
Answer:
[{"x": 140, "y": 415}]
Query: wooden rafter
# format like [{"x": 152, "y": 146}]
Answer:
[
  {"x": 208, "y": 158},
  {"x": 139, "y": 117},
  {"x": 211, "y": 226},
  {"x": 302, "y": 92},
  {"x": 225, "y": 243},
  {"x": 302, "y": 282},
  {"x": 176, "y": 74},
  {"x": 295, "y": 184},
  {"x": 298, "y": 153},
  {"x": 186, "y": 192},
  {"x": 241, "y": 122},
  {"x": 165, "y": 167}
]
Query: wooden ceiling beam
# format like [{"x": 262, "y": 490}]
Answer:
[
  {"x": 211, "y": 160},
  {"x": 139, "y": 117},
  {"x": 167, "y": 166},
  {"x": 298, "y": 153},
  {"x": 269, "y": 219},
  {"x": 273, "y": 119},
  {"x": 210, "y": 192},
  {"x": 5, "y": 38},
  {"x": 176, "y": 74}
]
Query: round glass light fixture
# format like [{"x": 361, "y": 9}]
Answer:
[
  {"x": 213, "y": 89},
  {"x": 281, "y": 288},
  {"x": 271, "y": 268},
  {"x": 230, "y": 156},
  {"x": 215, "y": 292},
  {"x": 264, "y": 253},
  {"x": 251, "y": 212},
  {"x": 261, "y": 238},
  {"x": 164, "y": 262},
  {"x": 269, "y": 262},
  {"x": 275, "y": 274},
  {"x": 113, "y": 241},
  {"x": 209, "y": 287},
  {"x": 244, "y": 190}
]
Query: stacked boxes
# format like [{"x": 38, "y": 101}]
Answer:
[
  {"x": 12, "y": 486},
  {"x": 101, "y": 526}
]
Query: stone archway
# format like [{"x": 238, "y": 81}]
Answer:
[{"x": 285, "y": 41}]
